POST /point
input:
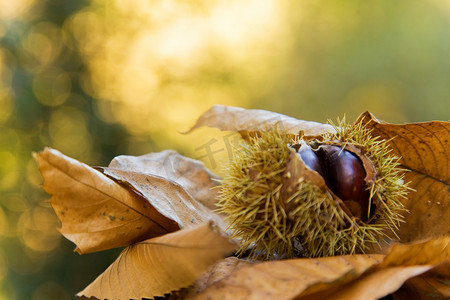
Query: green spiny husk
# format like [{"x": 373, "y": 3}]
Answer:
[{"x": 310, "y": 222}]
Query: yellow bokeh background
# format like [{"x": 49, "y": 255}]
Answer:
[{"x": 99, "y": 78}]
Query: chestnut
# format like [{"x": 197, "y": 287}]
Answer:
[
  {"x": 346, "y": 175},
  {"x": 310, "y": 159}
]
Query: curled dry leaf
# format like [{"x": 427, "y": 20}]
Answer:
[
  {"x": 161, "y": 265},
  {"x": 403, "y": 262},
  {"x": 339, "y": 277},
  {"x": 175, "y": 185},
  {"x": 216, "y": 273},
  {"x": 189, "y": 173},
  {"x": 284, "y": 279},
  {"x": 432, "y": 252},
  {"x": 424, "y": 149},
  {"x": 434, "y": 284},
  {"x": 96, "y": 212},
  {"x": 248, "y": 121},
  {"x": 372, "y": 286}
]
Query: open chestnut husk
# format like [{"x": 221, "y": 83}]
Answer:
[{"x": 285, "y": 197}]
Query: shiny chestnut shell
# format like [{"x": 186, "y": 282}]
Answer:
[
  {"x": 346, "y": 175},
  {"x": 311, "y": 159}
]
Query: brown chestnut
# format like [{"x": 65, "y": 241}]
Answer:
[
  {"x": 346, "y": 175},
  {"x": 310, "y": 159}
]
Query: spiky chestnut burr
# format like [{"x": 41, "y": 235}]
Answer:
[{"x": 285, "y": 198}]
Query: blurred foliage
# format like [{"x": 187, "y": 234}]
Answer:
[{"x": 100, "y": 78}]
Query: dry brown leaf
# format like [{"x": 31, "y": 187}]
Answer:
[
  {"x": 403, "y": 262},
  {"x": 284, "y": 279},
  {"x": 251, "y": 120},
  {"x": 434, "y": 284},
  {"x": 176, "y": 186},
  {"x": 424, "y": 149},
  {"x": 372, "y": 286},
  {"x": 161, "y": 265},
  {"x": 433, "y": 252},
  {"x": 189, "y": 173},
  {"x": 337, "y": 277},
  {"x": 96, "y": 212},
  {"x": 217, "y": 272},
  {"x": 169, "y": 198}
]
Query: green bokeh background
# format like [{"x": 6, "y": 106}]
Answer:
[{"x": 96, "y": 79}]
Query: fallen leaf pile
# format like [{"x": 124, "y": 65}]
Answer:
[{"x": 161, "y": 208}]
